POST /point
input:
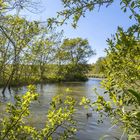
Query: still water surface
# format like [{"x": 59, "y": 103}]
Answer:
[{"x": 89, "y": 129}]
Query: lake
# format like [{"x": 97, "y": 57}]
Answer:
[{"x": 88, "y": 128}]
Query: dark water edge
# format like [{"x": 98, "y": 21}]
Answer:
[{"x": 89, "y": 129}]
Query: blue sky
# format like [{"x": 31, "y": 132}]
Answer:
[{"x": 97, "y": 26}]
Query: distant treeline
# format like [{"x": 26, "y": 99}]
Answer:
[
  {"x": 32, "y": 74},
  {"x": 97, "y": 70}
]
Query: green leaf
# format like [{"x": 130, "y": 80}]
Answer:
[{"x": 136, "y": 94}]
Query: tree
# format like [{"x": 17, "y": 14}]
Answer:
[
  {"x": 19, "y": 39},
  {"x": 77, "y": 9},
  {"x": 122, "y": 83},
  {"x": 99, "y": 66},
  {"x": 43, "y": 52},
  {"x": 73, "y": 55},
  {"x": 19, "y": 33},
  {"x": 123, "y": 77}
]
